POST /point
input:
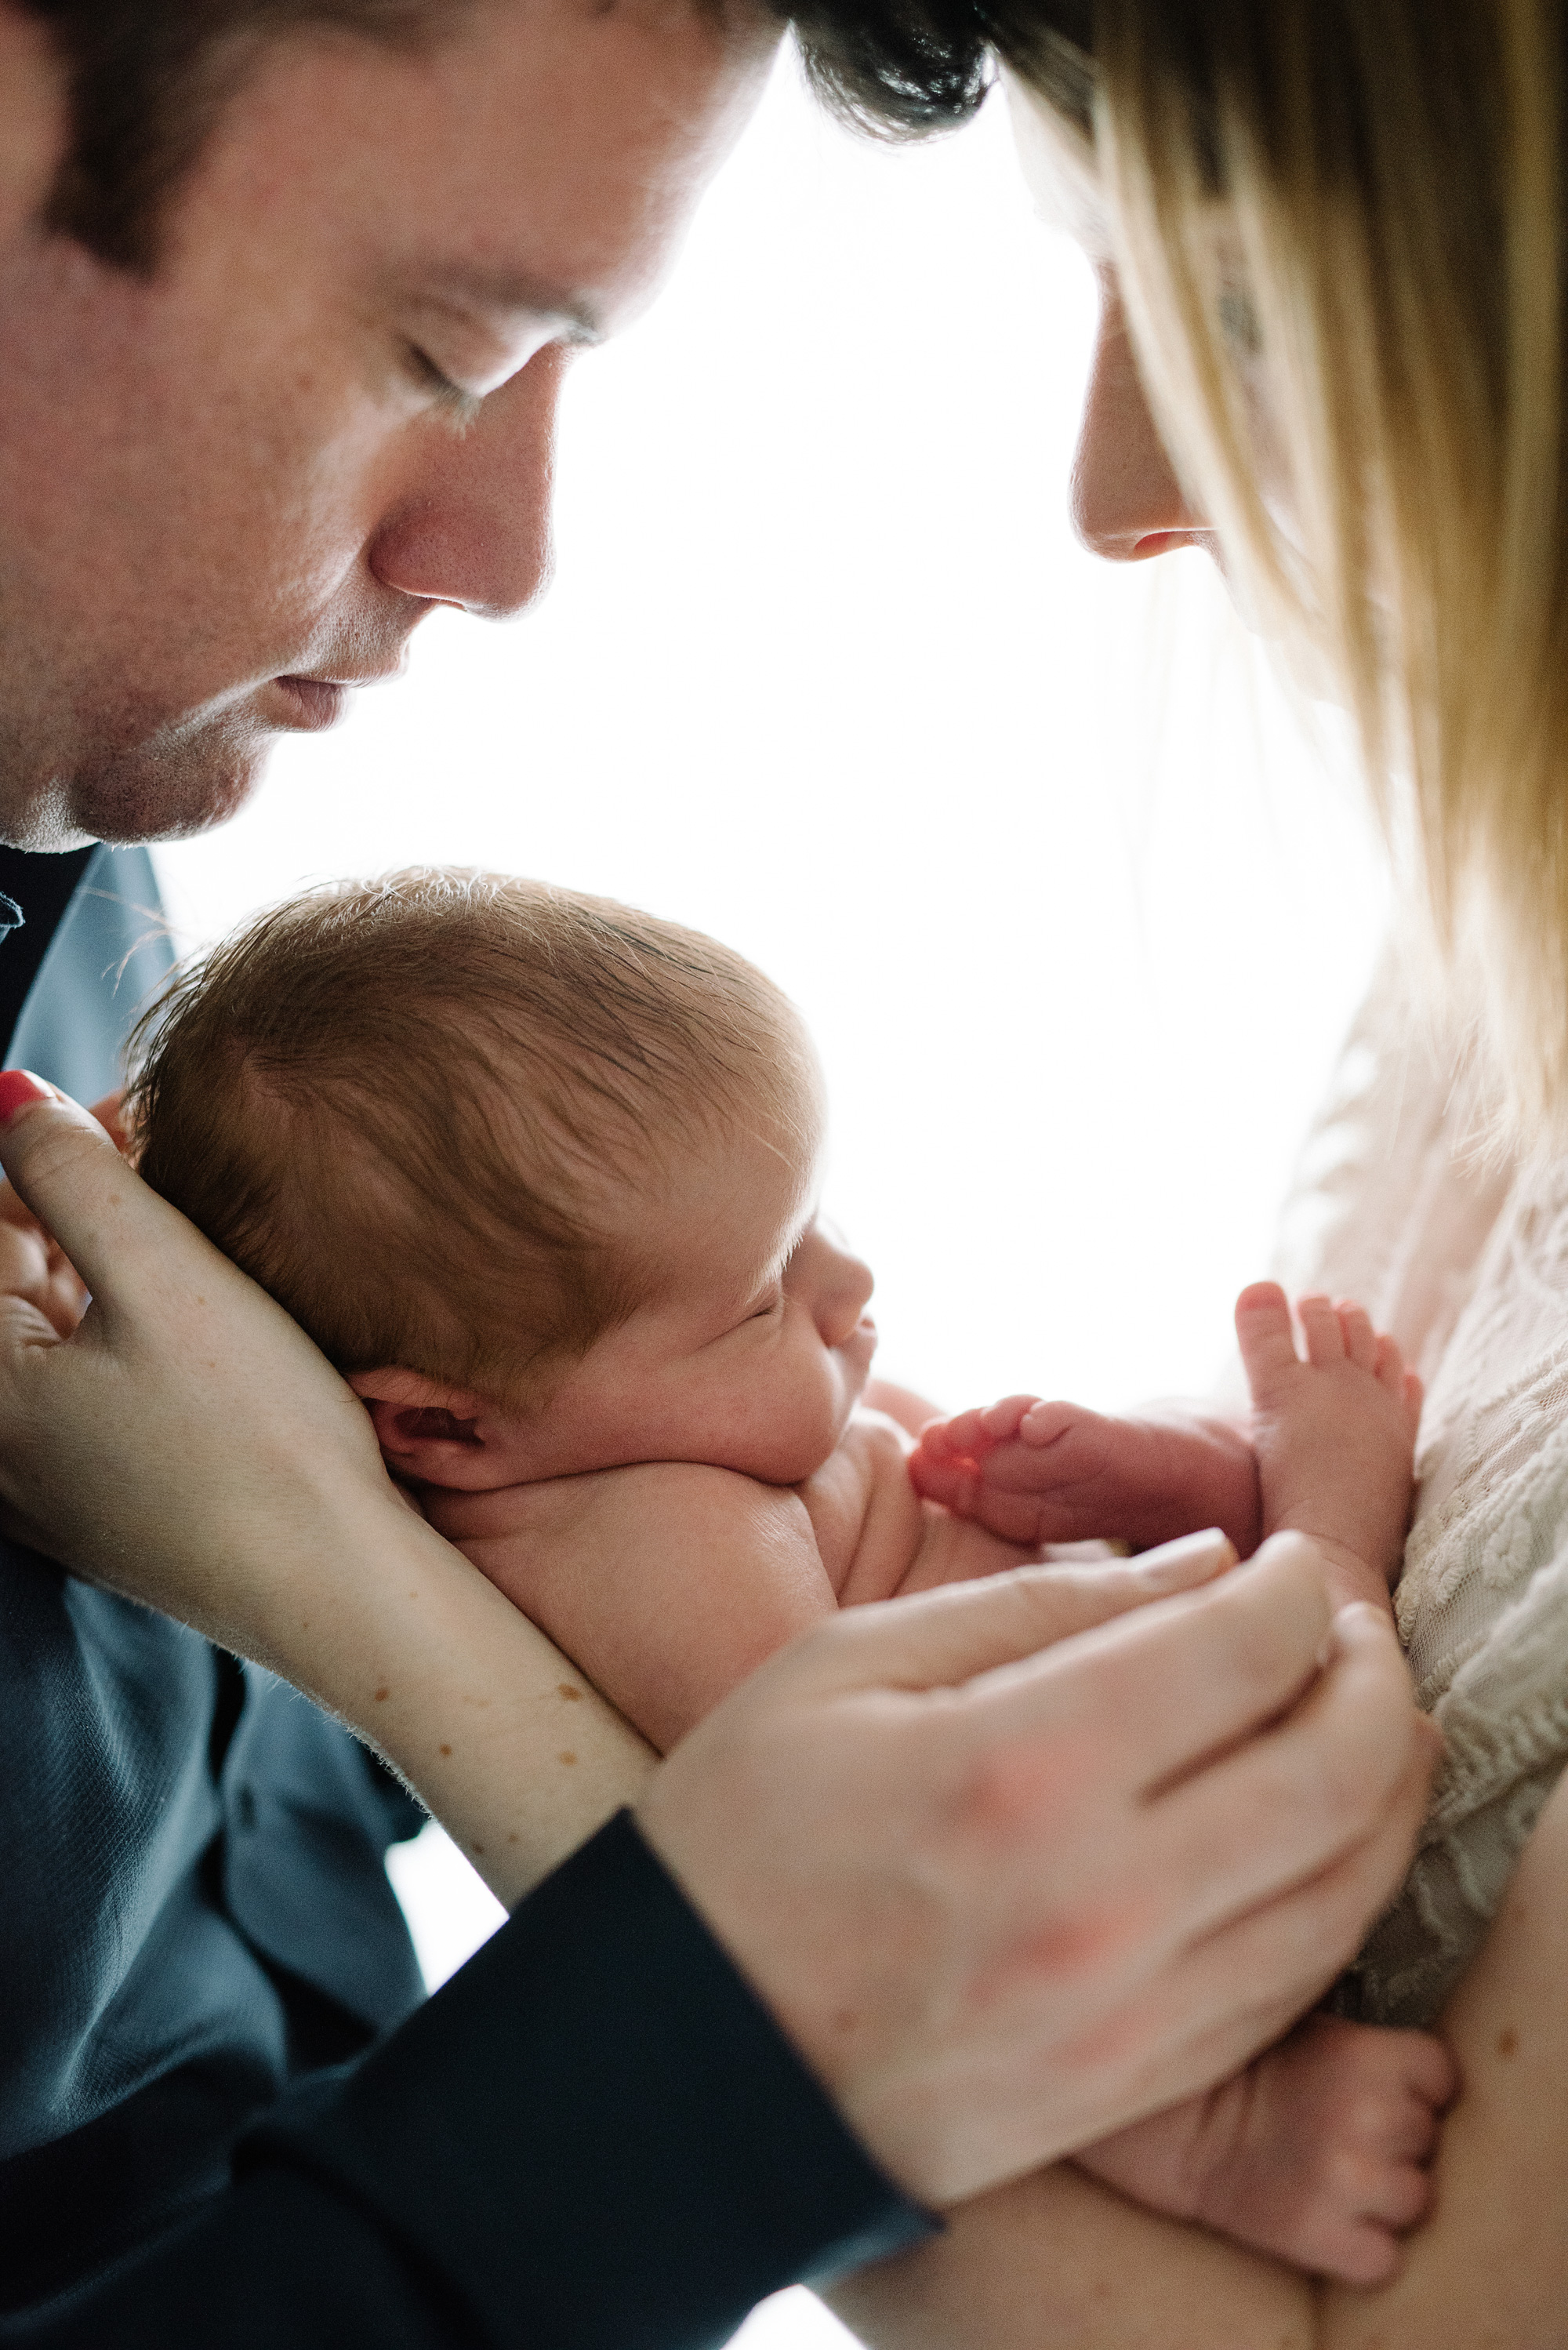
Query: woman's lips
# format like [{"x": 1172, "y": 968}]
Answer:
[{"x": 314, "y": 703}]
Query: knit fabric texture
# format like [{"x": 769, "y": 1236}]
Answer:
[{"x": 1462, "y": 1253}]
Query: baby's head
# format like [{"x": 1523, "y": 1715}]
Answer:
[{"x": 536, "y": 1172}]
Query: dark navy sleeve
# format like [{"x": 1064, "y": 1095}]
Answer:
[{"x": 594, "y": 2137}]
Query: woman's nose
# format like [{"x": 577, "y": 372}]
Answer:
[
  {"x": 1126, "y": 501},
  {"x": 473, "y": 527}
]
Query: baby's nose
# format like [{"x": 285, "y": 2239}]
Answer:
[{"x": 845, "y": 1298}]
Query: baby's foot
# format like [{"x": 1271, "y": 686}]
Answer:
[
  {"x": 1335, "y": 1434},
  {"x": 1316, "y": 2153},
  {"x": 1051, "y": 1472}
]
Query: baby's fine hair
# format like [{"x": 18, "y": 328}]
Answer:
[{"x": 402, "y": 1106}]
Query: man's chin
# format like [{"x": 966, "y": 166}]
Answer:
[{"x": 158, "y": 791}]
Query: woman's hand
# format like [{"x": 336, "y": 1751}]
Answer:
[
  {"x": 1010, "y": 1882},
  {"x": 33, "y": 1265},
  {"x": 187, "y": 1445}
]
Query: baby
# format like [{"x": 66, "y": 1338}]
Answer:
[{"x": 539, "y": 1174}]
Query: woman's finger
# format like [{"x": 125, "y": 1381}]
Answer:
[
  {"x": 1245, "y": 1982},
  {"x": 1189, "y": 1679},
  {"x": 65, "y": 1170},
  {"x": 942, "y": 1638},
  {"x": 1329, "y": 1761}
]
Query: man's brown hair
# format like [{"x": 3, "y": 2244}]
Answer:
[
  {"x": 148, "y": 79},
  {"x": 403, "y": 1105}
]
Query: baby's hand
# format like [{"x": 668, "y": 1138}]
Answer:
[
  {"x": 1335, "y": 1434},
  {"x": 1052, "y": 1473},
  {"x": 1317, "y": 2153}
]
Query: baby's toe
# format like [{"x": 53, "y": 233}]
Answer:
[
  {"x": 1042, "y": 1423},
  {"x": 955, "y": 1438},
  {"x": 1264, "y": 1334},
  {"x": 1402, "y": 2196},
  {"x": 1357, "y": 2251},
  {"x": 1010, "y": 1418},
  {"x": 1320, "y": 1328},
  {"x": 1432, "y": 2073},
  {"x": 952, "y": 1483},
  {"x": 1359, "y": 1337}
]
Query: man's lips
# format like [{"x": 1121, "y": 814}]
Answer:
[
  {"x": 317, "y": 701},
  {"x": 314, "y": 701}
]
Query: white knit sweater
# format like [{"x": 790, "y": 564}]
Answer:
[{"x": 1465, "y": 1260}]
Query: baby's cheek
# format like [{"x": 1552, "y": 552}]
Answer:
[{"x": 804, "y": 1427}]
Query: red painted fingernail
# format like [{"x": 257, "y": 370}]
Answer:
[{"x": 17, "y": 1088}]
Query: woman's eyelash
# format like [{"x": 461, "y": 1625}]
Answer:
[{"x": 462, "y": 407}]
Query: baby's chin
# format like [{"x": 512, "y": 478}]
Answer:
[{"x": 790, "y": 1457}]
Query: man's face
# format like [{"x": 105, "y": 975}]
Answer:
[{"x": 229, "y": 490}]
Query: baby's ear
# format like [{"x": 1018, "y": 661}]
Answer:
[{"x": 425, "y": 1430}]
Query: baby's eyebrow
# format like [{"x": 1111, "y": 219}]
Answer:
[{"x": 792, "y": 1241}]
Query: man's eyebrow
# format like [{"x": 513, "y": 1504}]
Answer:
[{"x": 502, "y": 288}]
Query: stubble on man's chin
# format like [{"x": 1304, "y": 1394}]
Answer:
[{"x": 163, "y": 790}]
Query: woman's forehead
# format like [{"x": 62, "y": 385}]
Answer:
[{"x": 1059, "y": 168}]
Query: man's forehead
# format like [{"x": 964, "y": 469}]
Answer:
[{"x": 543, "y": 154}]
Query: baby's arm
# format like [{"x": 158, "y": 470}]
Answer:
[{"x": 710, "y": 1574}]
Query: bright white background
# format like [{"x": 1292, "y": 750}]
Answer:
[{"x": 1075, "y": 909}]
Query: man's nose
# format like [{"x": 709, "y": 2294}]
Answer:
[
  {"x": 471, "y": 523},
  {"x": 1126, "y": 501}
]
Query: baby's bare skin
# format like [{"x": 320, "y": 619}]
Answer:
[
  {"x": 1327, "y": 1452},
  {"x": 1318, "y": 2151},
  {"x": 1038, "y": 1472},
  {"x": 751, "y": 1567}
]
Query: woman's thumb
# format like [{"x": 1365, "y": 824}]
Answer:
[{"x": 63, "y": 1167}]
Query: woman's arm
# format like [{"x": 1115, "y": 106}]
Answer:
[
  {"x": 189, "y": 1447},
  {"x": 1056, "y": 2263},
  {"x": 1491, "y": 2263}
]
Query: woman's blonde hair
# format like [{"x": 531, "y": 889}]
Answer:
[{"x": 1340, "y": 225}]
